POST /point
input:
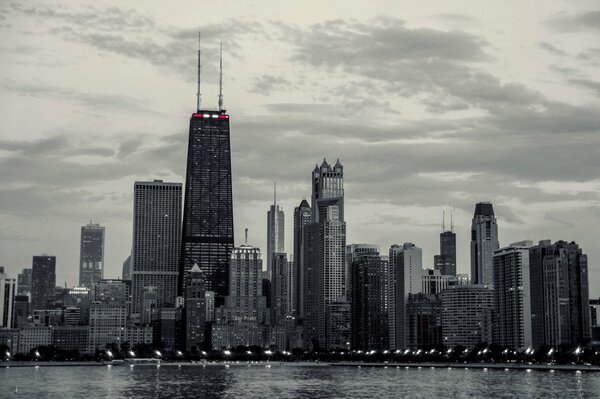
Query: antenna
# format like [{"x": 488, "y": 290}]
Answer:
[
  {"x": 451, "y": 221},
  {"x": 246, "y": 236},
  {"x": 274, "y": 193},
  {"x": 443, "y": 219},
  {"x": 221, "y": 78},
  {"x": 198, "y": 95}
]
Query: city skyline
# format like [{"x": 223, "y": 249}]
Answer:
[{"x": 535, "y": 206}]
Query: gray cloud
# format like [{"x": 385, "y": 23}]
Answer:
[
  {"x": 574, "y": 22},
  {"x": 265, "y": 84},
  {"x": 587, "y": 84},
  {"x": 552, "y": 48}
]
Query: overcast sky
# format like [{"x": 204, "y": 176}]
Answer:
[{"x": 427, "y": 104}]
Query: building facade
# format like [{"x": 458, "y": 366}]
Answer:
[
  {"x": 484, "y": 241},
  {"x": 302, "y": 218},
  {"x": 280, "y": 306},
  {"x": 424, "y": 321},
  {"x": 195, "y": 309},
  {"x": 8, "y": 291},
  {"x": 91, "y": 254},
  {"x": 156, "y": 241},
  {"x": 275, "y": 232},
  {"x": 43, "y": 281}
]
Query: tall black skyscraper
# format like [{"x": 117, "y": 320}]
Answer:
[
  {"x": 445, "y": 262},
  {"x": 484, "y": 241},
  {"x": 43, "y": 281},
  {"x": 207, "y": 237},
  {"x": 302, "y": 217}
]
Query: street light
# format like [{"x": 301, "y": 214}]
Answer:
[
  {"x": 132, "y": 353},
  {"x": 227, "y": 353},
  {"x": 37, "y": 355}
]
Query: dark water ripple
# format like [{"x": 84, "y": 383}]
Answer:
[{"x": 291, "y": 382}]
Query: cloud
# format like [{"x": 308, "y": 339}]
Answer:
[
  {"x": 587, "y": 84},
  {"x": 265, "y": 84},
  {"x": 552, "y": 48},
  {"x": 564, "y": 22}
]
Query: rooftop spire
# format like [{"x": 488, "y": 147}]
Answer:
[
  {"x": 221, "y": 78},
  {"x": 443, "y": 220},
  {"x": 274, "y": 193},
  {"x": 451, "y": 221},
  {"x": 198, "y": 95}
]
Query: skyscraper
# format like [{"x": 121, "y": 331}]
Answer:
[
  {"x": 302, "y": 217},
  {"x": 324, "y": 260},
  {"x": 352, "y": 252},
  {"x": 566, "y": 295},
  {"x": 156, "y": 241},
  {"x": 445, "y": 262},
  {"x": 195, "y": 309},
  {"x": 24, "y": 282},
  {"x": 207, "y": 237},
  {"x": 43, "y": 280},
  {"x": 91, "y": 254},
  {"x": 280, "y": 307},
  {"x": 512, "y": 296},
  {"x": 405, "y": 277},
  {"x": 369, "y": 274},
  {"x": 275, "y": 231},
  {"x": 484, "y": 241},
  {"x": 8, "y": 288}
]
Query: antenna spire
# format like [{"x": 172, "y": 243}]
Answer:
[
  {"x": 274, "y": 193},
  {"x": 198, "y": 95},
  {"x": 246, "y": 236},
  {"x": 443, "y": 219},
  {"x": 221, "y": 78},
  {"x": 451, "y": 221}
]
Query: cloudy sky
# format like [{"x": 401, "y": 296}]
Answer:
[{"x": 427, "y": 104}]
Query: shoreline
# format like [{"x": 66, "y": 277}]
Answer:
[{"x": 268, "y": 364}]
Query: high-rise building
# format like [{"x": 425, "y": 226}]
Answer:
[
  {"x": 280, "y": 307},
  {"x": 484, "y": 241},
  {"x": 91, "y": 254},
  {"x": 156, "y": 241},
  {"x": 24, "y": 282},
  {"x": 207, "y": 237},
  {"x": 536, "y": 281},
  {"x": 323, "y": 258},
  {"x": 302, "y": 218},
  {"x": 21, "y": 314},
  {"x": 370, "y": 330},
  {"x": 109, "y": 310},
  {"x": 405, "y": 277},
  {"x": 566, "y": 295},
  {"x": 512, "y": 296},
  {"x": 43, "y": 281},
  {"x": 195, "y": 309},
  {"x": 424, "y": 321},
  {"x": 352, "y": 252},
  {"x": 126, "y": 271},
  {"x": 434, "y": 282},
  {"x": 467, "y": 315},
  {"x": 445, "y": 262},
  {"x": 8, "y": 290},
  {"x": 275, "y": 232}
]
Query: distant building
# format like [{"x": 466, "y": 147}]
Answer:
[
  {"x": 484, "y": 241},
  {"x": 24, "y": 282},
  {"x": 370, "y": 329},
  {"x": 21, "y": 313},
  {"x": 405, "y": 277},
  {"x": 512, "y": 296},
  {"x": 126, "y": 271},
  {"x": 109, "y": 311},
  {"x": 566, "y": 295},
  {"x": 324, "y": 260},
  {"x": 33, "y": 337},
  {"x": 91, "y": 255},
  {"x": 275, "y": 232},
  {"x": 195, "y": 309},
  {"x": 338, "y": 325},
  {"x": 8, "y": 290},
  {"x": 139, "y": 334},
  {"x": 71, "y": 338},
  {"x": 280, "y": 306},
  {"x": 352, "y": 252},
  {"x": 43, "y": 281},
  {"x": 156, "y": 241},
  {"x": 424, "y": 321},
  {"x": 302, "y": 218},
  {"x": 166, "y": 327},
  {"x": 467, "y": 315}
]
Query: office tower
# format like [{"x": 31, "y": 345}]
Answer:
[
  {"x": 156, "y": 241},
  {"x": 512, "y": 296},
  {"x": 242, "y": 320},
  {"x": 324, "y": 253},
  {"x": 405, "y": 277},
  {"x": 566, "y": 295},
  {"x": 338, "y": 325},
  {"x": 280, "y": 307},
  {"x": 275, "y": 231},
  {"x": 24, "y": 282},
  {"x": 126, "y": 271},
  {"x": 352, "y": 252},
  {"x": 195, "y": 309},
  {"x": 434, "y": 282},
  {"x": 536, "y": 281},
  {"x": 91, "y": 254},
  {"x": 109, "y": 310},
  {"x": 445, "y": 262},
  {"x": 467, "y": 315},
  {"x": 21, "y": 313},
  {"x": 43, "y": 281},
  {"x": 8, "y": 290},
  {"x": 166, "y": 327},
  {"x": 424, "y": 321},
  {"x": 484, "y": 241},
  {"x": 207, "y": 237},
  {"x": 302, "y": 217},
  {"x": 370, "y": 330}
]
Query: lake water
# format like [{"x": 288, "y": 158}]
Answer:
[{"x": 291, "y": 382}]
